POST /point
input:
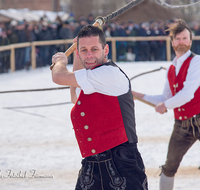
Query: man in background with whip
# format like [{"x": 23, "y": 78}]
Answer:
[
  {"x": 182, "y": 94},
  {"x": 103, "y": 116}
]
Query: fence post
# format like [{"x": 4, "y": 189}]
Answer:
[
  {"x": 12, "y": 59},
  {"x": 33, "y": 55},
  {"x": 114, "y": 50},
  {"x": 168, "y": 49}
]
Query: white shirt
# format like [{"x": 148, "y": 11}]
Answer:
[
  {"x": 106, "y": 80},
  {"x": 190, "y": 85}
]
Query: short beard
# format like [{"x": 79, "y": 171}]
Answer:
[{"x": 181, "y": 48}]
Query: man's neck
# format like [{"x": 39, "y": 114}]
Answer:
[{"x": 178, "y": 55}]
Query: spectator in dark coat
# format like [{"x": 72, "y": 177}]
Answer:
[
  {"x": 45, "y": 35},
  {"x": 162, "y": 43},
  {"x": 54, "y": 31},
  {"x": 90, "y": 19},
  {"x": 154, "y": 44},
  {"x": 196, "y": 43},
  {"x": 20, "y": 52},
  {"x": 144, "y": 54},
  {"x": 12, "y": 35},
  {"x": 83, "y": 22},
  {"x": 132, "y": 46},
  {"x": 31, "y": 36},
  {"x": 65, "y": 32},
  {"x": 108, "y": 34},
  {"x": 121, "y": 45},
  {"x": 4, "y": 55}
]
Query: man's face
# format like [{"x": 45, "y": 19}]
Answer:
[
  {"x": 182, "y": 42},
  {"x": 91, "y": 52}
]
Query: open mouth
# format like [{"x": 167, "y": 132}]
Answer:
[{"x": 90, "y": 62}]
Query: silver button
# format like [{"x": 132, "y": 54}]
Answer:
[
  {"x": 174, "y": 86},
  {"x": 185, "y": 117},
  {"x": 79, "y": 102},
  {"x": 86, "y": 127},
  {"x": 82, "y": 114},
  {"x": 89, "y": 139},
  {"x": 179, "y": 109},
  {"x": 180, "y": 118},
  {"x": 177, "y": 85},
  {"x": 93, "y": 151},
  {"x": 183, "y": 109}
]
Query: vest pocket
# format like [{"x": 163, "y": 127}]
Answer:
[{"x": 108, "y": 130}]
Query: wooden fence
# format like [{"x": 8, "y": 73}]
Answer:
[{"x": 113, "y": 41}]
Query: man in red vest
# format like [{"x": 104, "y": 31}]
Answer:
[
  {"x": 182, "y": 94},
  {"x": 103, "y": 116}
]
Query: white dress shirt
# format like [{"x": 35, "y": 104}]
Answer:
[
  {"x": 190, "y": 85},
  {"x": 105, "y": 79}
]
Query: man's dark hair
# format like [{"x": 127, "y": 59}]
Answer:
[
  {"x": 177, "y": 28},
  {"x": 88, "y": 31}
]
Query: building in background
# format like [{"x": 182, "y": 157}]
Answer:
[
  {"x": 143, "y": 12},
  {"x": 46, "y": 5}
]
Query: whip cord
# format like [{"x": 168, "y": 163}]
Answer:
[
  {"x": 60, "y": 88},
  {"x": 33, "y": 90},
  {"x": 121, "y": 10},
  {"x": 176, "y": 6}
]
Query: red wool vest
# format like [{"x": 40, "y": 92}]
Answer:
[
  {"x": 98, "y": 123},
  {"x": 176, "y": 84}
]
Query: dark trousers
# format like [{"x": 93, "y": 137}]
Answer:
[
  {"x": 184, "y": 135},
  {"x": 20, "y": 58},
  {"x": 120, "y": 168}
]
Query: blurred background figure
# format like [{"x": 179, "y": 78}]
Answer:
[
  {"x": 44, "y": 51},
  {"x": 20, "y": 52},
  {"x": 4, "y": 55},
  {"x": 65, "y": 32},
  {"x": 196, "y": 43},
  {"x": 90, "y": 19},
  {"x": 132, "y": 46},
  {"x": 144, "y": 48},
  {"x": 30, "y": 36}
]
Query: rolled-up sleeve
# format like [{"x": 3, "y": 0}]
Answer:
[
  {"x": 107, "y": 80},
  {"x": 82, "y": 80}
]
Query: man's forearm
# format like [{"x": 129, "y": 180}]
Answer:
[
  {"x": 137, "y": 94},
  {"x": 59, "y": 71},
  {"x": 77, "y": 65}
]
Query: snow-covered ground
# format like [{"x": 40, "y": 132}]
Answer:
[{"x": 38, "y": 150}]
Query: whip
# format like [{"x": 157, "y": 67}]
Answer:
[
  {"x": 101, "y": 21},
  {"x": 177, "y": 6}
]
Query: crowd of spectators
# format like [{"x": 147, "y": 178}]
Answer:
[{"x": 19, "y": 32}]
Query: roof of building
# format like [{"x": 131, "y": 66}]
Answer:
[{"x": 25, "y": 14}]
